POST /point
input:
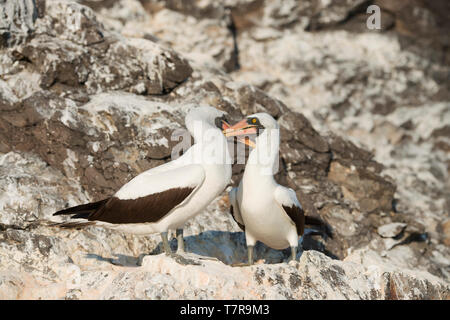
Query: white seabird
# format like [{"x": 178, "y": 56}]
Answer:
[
  {"x": 265, "y": 210},
  {"x": 165, "y": 197}
]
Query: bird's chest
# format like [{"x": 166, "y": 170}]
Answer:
[
  {"x": 264, "y": 221},
  {"x": 217, "y": 177},
  {"x": 260, "y": 211},
  {"x": 257, "y": 192},
  {"x": 258, "y": 204}
]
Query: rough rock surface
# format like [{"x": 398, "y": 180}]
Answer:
[{"x": 92, "y": 92}]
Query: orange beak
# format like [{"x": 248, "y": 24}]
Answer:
[
  {"x": 225, "y": 125},
  {"x": 241, "y": 130}
]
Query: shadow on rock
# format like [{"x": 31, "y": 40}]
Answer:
[
  {"x": 119, "y": 259},
  {"x": 228, "y": 247}
]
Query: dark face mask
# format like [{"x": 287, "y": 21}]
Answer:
[{"x": 219, "y": 122}]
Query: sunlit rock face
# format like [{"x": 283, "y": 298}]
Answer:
[{"x": 91, "y": 93}]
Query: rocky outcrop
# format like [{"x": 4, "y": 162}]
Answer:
[
  {"x": 94, "y": 92},
  {"x": 48, "y": 273},
  {"x": 35, "y": 266}
]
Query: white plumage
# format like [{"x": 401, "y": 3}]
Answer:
[
  {"x": 167, "y": 196},
  {"x": 268, "y": 212}
]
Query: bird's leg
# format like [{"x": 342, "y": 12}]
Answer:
[
  {"x": 293, "y": 254},
  {"x": 180, "y": 241},
  {"x": 165, "y": 241},
  {"x": 250, "y": 259},
  {"x": 177, "y": 257},
  {"x": 250, "y": 241},
  {"x": 250, "y": 255}
]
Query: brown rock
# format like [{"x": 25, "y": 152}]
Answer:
[
  {"x": 372, "y": 192},
  {"x": 303, "y": 131},
  {"x": 446, "y": 232},
  {"x": 6, "y": 105},
  {"x": 23, "y": 117},
  {"x": 94, "y": 177},
  {"x": 253, "y": 100},
  {"x": 4, "y": 146}
]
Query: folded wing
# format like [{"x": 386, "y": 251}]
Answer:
[
  {"x": 287, "y": 199},
  {"x": 147, "y": 198},
  {"x": 234, "y": 208}
]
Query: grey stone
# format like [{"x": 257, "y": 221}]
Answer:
[{"x": 391, "y": 230}]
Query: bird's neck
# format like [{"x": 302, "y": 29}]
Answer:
[
  {"x": 262, "y": 162},
  {"x": 211, "y": 146}
]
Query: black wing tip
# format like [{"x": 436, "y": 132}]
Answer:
[
  {"x": 61, "y": 212},
  {"x": 82, "y": 208}
]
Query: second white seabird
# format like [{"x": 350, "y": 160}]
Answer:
[{"x": 265, "y": 210}]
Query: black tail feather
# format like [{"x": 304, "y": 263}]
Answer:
[
  {"x": 324, "y": 226},
  {"x": 82, "y": 211},
  {"x": 81, "y": 215},
  {"x": 73, "y": 225}
]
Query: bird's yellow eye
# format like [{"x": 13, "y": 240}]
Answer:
[{"x": 254, "y": 120}]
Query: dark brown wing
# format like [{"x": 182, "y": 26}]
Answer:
[
  {"x": 234, "y": 218},
  {"x": 297, "y": 216},
  {"x": 150, "y": 208}
]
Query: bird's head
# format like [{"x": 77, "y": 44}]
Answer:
[
  {"x": 208, "y": 117},
  {"x": 251, "y": 127}
]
